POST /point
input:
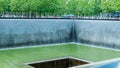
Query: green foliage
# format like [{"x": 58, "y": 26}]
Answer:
[{"x": 60, "y": 7}]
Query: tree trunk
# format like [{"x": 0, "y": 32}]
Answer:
[{"x": 29, "y": 14}]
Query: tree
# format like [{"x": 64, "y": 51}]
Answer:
[
  {"x": 31, "y": 6},
  {"x": 109, "y": 5},
  {"x": 59, "y": 7},
  {"x": 72, "y": 7},
  {"x": 5, "y": 5},
  {"x": 86, "y": 7}
]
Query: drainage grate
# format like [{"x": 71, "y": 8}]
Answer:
[{"x": 59, "y": 63}]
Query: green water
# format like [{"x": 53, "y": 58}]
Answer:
[{"x": 15, "y": 58}]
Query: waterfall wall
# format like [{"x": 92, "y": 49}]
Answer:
[
  {"x": 99, "y": 32},
  {"x": 25, "y": 32},
  {"x": 21, "y": 32}
]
